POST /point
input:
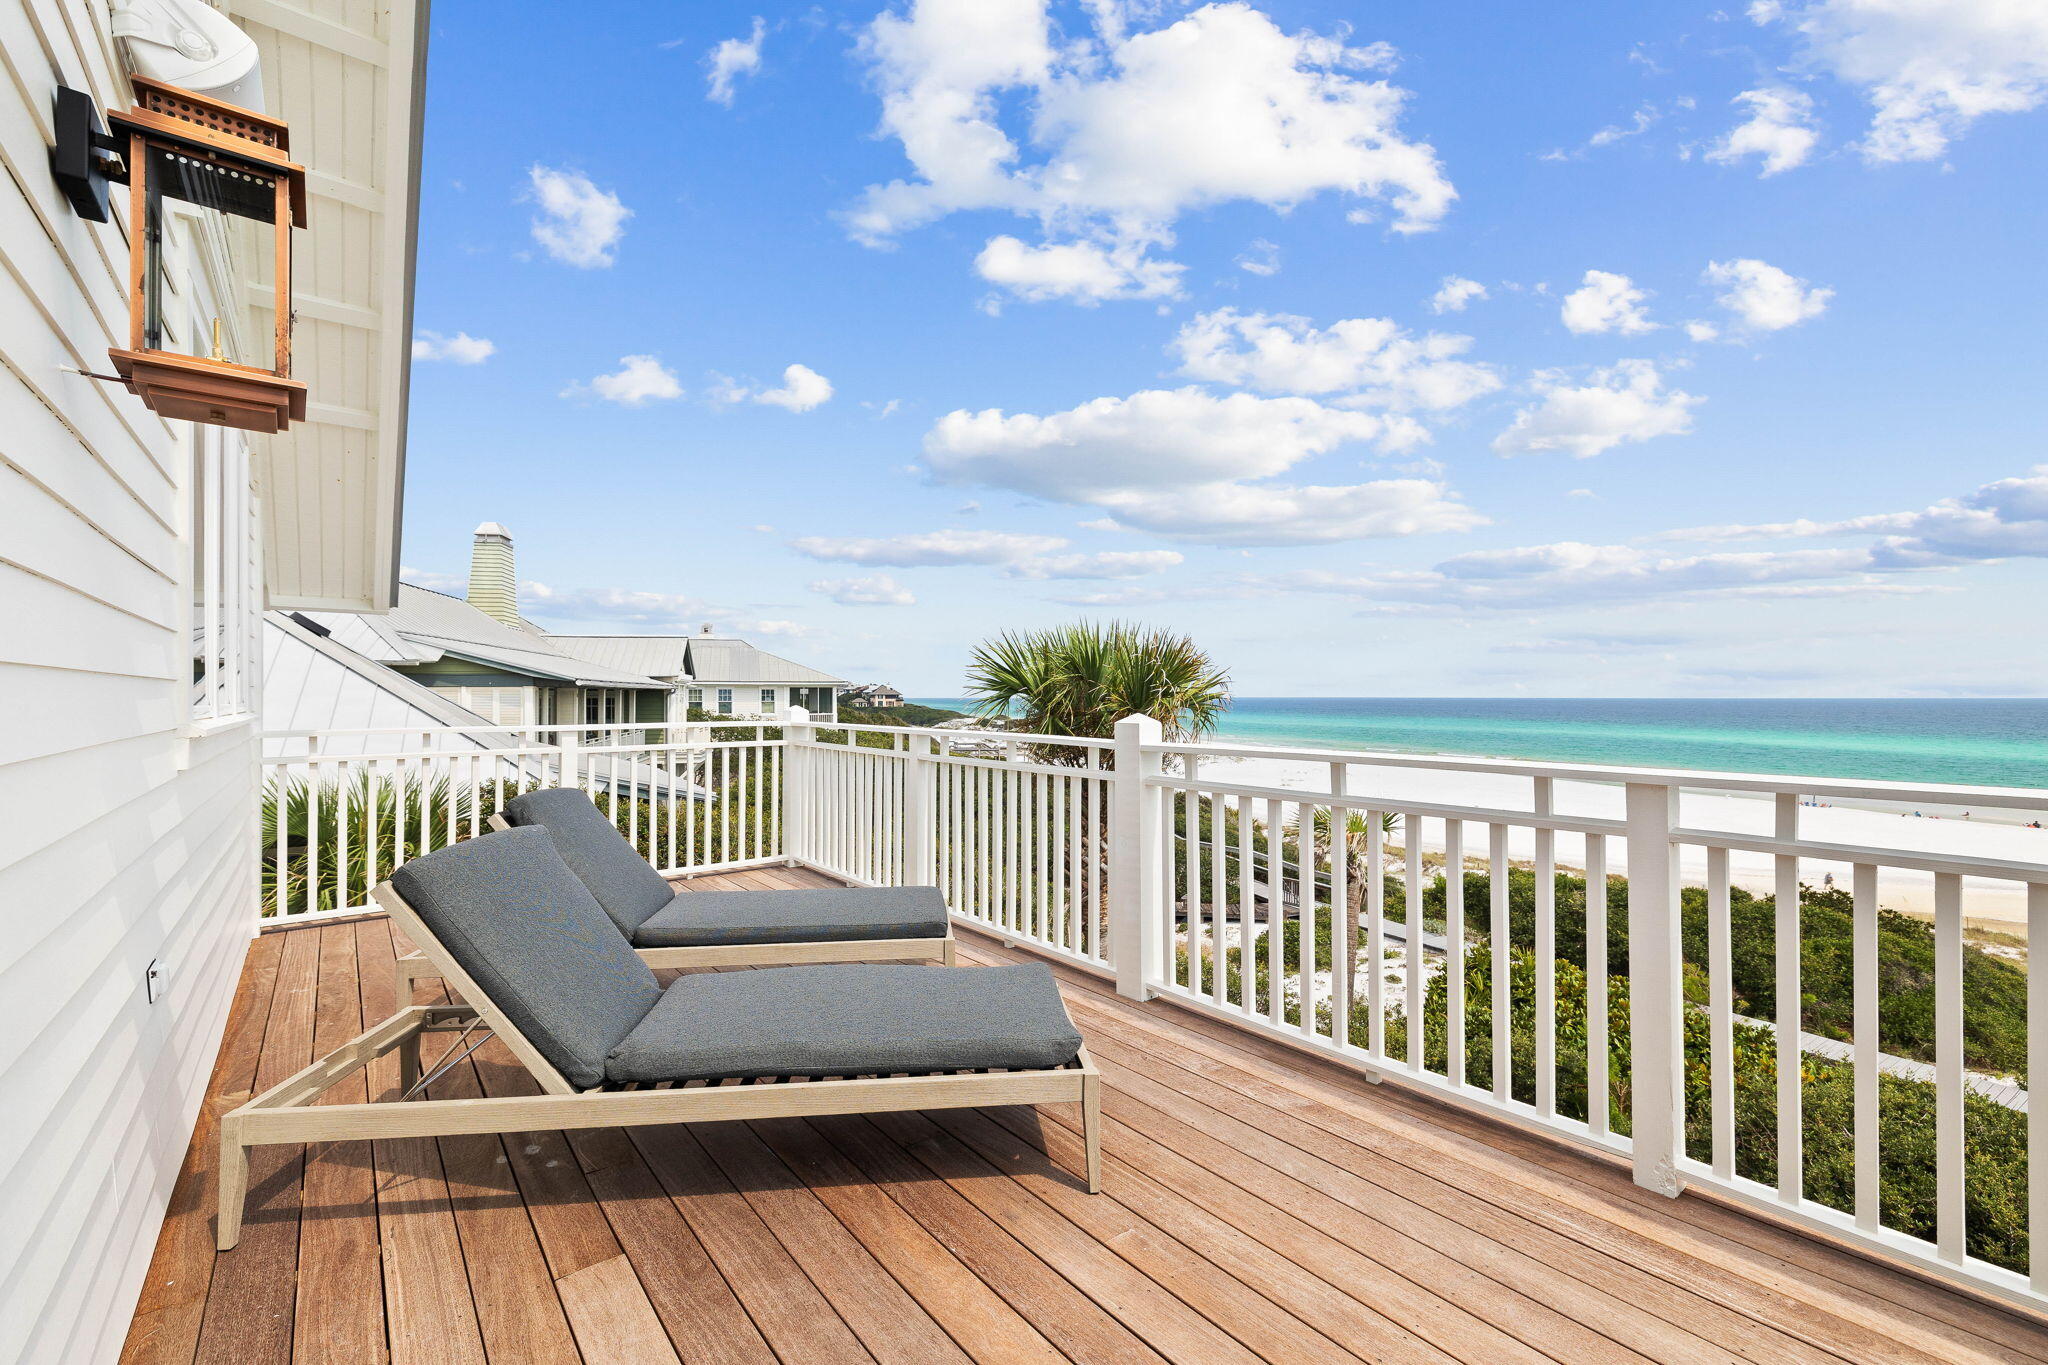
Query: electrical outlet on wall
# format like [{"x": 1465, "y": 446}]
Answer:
[{"x": 155, "y": 980}]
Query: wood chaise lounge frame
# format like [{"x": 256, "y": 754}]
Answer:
[
  {"x": 412, "y": 966},
  {"x": 286, "y": 1112}
]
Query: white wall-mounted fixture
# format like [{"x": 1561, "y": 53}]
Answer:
[
  {"x": 190, "y": 44},
  {"x": 154, "y": 980}
]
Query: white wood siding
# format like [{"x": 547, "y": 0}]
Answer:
[{"x": 123, "y": 840}]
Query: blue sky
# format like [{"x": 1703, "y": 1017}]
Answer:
[{"x": 1400, "y": 349}]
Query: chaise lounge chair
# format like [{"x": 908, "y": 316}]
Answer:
[
  {"x": 506, "y": 923},
  {"x": 722, "y": 928}
]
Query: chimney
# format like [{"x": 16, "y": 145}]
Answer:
[{"x": 493, "y": 590}]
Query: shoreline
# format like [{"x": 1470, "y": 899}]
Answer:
[{"x": 2000, "y": 905}]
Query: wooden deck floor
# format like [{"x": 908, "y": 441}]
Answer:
[{"x": 1258, "y": 1207}]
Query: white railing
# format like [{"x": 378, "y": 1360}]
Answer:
[
  {"x": 1013, "y": 828},
  {"x": 1674, "y": 991},
  {"x": 342, "y": 808}
]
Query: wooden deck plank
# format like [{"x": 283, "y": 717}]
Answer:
[
  {"x": 1259, "y": 1203},
  {"x": 518, "y": 1309},
  {"x": 165, "y": 1330},
  {"x": 343, "y": 1322},
  {"x": 893, "y": 1326},
  {"x": 975, "y": 1315},
  {"x": 614, "y": 1320},
  {"x": 1642, "y": 1229},
  {"x": 798, "y": 1321},
  {"x": 703, "y": 1315},
  {"x": 249, "y": 1306},
  {"x": 1170, "y": 1298},
  {"x": 1038, "y": 1152}
]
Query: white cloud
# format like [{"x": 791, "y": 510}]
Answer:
[
  {"x": 1239, "y": 514},
  {"x": 1456, "y": 293},
  {"x": 1109, "y": 564},
  {"x": 1156, "y": 438},
  {"x": 803, "y": 388},
  {"x": 2005, "y": 519},
  {"x": 1779, "y": 129},
  {"x": 1698, "y": 330},
  {"x": 662, "y": 610},
  {"x": 1606, "y": 302},
  {"x": 639, "y": 379},
  {"x": 1122, "y": 132},
  {"x": 1177, "y": 463},
  {"x": 1260, "y": 258},
  {"x": 1370, "y": 359},
  {"x": 731, "y": 59},
  {"x": 579, "y": 224},
  {"x": 1080, "y": 272},
  {"x": 1764, "y": 297},
  {"x": 878, "y": 591},
  {"x": 1624, "y": 402},
  {"x": 462, "y": 348},
  {"x": 927, "y": 548},
  {"x": 1930, "y": 68}
]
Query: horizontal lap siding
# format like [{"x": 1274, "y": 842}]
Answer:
[{"x": 123, "y": 842}]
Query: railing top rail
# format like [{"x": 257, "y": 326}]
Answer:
[
  {"x": 1928, "y": 793},
  {"x": 997, "y": 736},
  {"x": 723, "y": 723}
]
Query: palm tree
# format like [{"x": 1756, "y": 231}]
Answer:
[
  {"x": 1357, "y": 837},
  {"x": 1082, "y": 679}
]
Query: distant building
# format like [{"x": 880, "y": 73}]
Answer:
[
  {"x": 870, "y": 696},
  {"x": 712, "y": 673}
]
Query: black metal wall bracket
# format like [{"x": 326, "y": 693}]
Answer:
[{"x": 86, "y": 156}]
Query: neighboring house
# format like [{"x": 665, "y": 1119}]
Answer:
[
  {"x": 712, "y": 673},
  {"x": 475, "y": 654},
  {"x": 140, "y": 548},
  {"x": 871, "y": 696},
  {"x": 505, "y": 674}
]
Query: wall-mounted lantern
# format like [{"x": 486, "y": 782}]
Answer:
[{"x": 228, "y": 169}]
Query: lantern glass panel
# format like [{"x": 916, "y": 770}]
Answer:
[{"x": 194, "y": 201}]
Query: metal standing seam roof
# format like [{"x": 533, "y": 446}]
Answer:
[{"x": 442, "y": 625}]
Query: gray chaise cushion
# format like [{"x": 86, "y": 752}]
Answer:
[
  {"x": 849, "y": 1020},
  {"x": 510, "y": 911},
  {"x": 699, "y": 918},
  {"x": 624, "y": 884}
]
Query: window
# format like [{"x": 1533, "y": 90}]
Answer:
[
  {"x": 725, "y": 701},
  {"x": 224, "y": 577},
  {"x": 696, "y": 699},
  {"x": 767, "y": 701}
]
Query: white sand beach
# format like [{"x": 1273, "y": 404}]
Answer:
[{"x": 1989, "y": 903}]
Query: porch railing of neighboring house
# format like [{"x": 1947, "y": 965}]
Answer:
[{"x": 1148, "y": 863}]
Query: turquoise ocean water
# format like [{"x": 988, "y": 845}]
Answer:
[{"x": 1993, "y": 742}]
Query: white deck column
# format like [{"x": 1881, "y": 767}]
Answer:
[
  {"x": 797, "y": 792},
  {"x": 1137, "y": 872},
  {"x": 1656, "y": 995}
]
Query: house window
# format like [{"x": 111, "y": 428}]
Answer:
[
  {"x": 767, "y": 701},
  {"x": 224, "y": 577},
  {"x": 725, "y": 701},
  {"x": 696, "y": 699}
]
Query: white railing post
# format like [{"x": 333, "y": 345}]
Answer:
[
  {"x": 1137, "y": 880},
  {"x": 570, "y": 743},
  {"x": 1656, "y": 994},
  {"x": 797, "y": 796},
  {"x": 919, "y": 812}
]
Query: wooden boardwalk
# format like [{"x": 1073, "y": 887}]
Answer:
[{"x": 1258, "y": 1206}]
